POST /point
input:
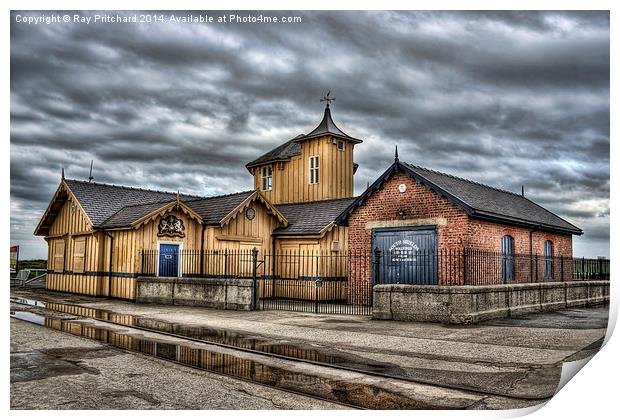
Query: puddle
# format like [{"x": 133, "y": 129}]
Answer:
[
  {"x": 232, "y": 365},
  {"x": 229, "y": 338},
  {"x": 30, "y": 302},
  {"x": 28, "y": 316},
  {"x": 226, "y": 364}
]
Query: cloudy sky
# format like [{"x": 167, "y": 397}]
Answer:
[{"x": 507, "y": 99}]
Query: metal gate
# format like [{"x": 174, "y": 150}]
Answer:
[
  {"x": 405, "y": 255},
  {"x": 317, "y": 282}
]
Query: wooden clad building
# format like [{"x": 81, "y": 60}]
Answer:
[
  {"x": 102, "y": 237},
  {"x": 98, "y": 234}
]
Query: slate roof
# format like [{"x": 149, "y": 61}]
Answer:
[
  {"x": 327, "y": 126},
  {"x": 291, "y": 148},
  {"x": 113, "y": 206},
  {"x": 127, "y": 215},
  {"x": 102, "y": 201},
  {"x": 282, "y": 152},
  {"x": 478, "y": 200},
  {"x": 312, "y": 217},
  {"x": 214, "y": 209}
]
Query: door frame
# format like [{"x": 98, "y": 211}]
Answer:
[
  {"x": 180, "y": 256},
  {"x": 434, "y": 228}
]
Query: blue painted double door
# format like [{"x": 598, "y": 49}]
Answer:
[
  {"x": 407, "y": 255},
  {"x": 168, "y": 260}
]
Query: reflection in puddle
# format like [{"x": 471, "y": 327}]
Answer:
[
  {"x": 229, "y": 338},
  {"x": 28, "y": 316},
  {"x": 230, "y": 365},
  {"x": 30, "y": 302}
]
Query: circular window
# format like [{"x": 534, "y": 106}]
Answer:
[
  {"x": 250, "y": 213},
  {"x": 402, "y": 188}
]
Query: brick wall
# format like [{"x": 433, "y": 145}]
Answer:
[
  {"x": 458, "y": 233},
  {"x": 487, "y": 235},
  {"x": 416, "y": 202}
]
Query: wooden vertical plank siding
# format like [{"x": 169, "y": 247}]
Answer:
[
  {"x": 105, "y": 259},
  {"x": 76, "y": 275},
  {"x": 291, "y": 179}
]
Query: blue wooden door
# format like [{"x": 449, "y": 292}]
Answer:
[
  {"x": 408, "y": 256},
  {"x": 168, "y": 260}
]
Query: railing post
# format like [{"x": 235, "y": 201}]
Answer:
[
  {"x": 317, "y": 285},
  {"x": 377, "y": 265},
  {"x": 536, "y": 259},
  {"x": 202, "y": 262},
  {"x": 254, "y": 278},
  {"x": 464, "y": 266},
  {"x": 583, "y": 269},
  {"x": 226, "y": 263},
  {"x": 562, "y": 268}
]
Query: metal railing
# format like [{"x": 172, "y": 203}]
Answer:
[
  {"x": 443, "y": 266},
  {"x": 198, "y": 264}
]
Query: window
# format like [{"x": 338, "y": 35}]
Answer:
[
  {"x": 79, "y": 254},
  {"x": 314, "y": 169},
  {"x": 341, "y": 145},
  {"x": 507, "y": 258},
  {"x": 58, "y": 261},
  {"x": 267, "y": 178},
  {"x": 548, "y": 259}
]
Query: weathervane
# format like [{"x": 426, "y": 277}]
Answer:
[{"x": 327, "y": 99}]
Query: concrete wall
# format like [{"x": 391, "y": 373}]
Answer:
[
  {"x": 235, "y": 294},
  {"x": 472, "y": 304}
]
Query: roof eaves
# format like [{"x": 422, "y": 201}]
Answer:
[
  {"x": 493, "y": 217},
  {"x": 379, "y": 182},
  {"x": 329, "y": 133}
]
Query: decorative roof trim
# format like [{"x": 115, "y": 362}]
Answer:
[
  {"x": 342, "y": 219},
  {"x": 175, "y": 204},
  {"x": 63, "y": 186},
  {"x": 255, "y": 196},
  {"x": 329, "y": 133}
]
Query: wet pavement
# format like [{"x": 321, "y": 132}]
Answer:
[
  {"x": 54, "y": 370},
  {"x": 571, "y": 319},
  {"x": 519, "y": 357}
]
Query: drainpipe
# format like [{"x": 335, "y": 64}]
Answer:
[
  {"x": 202, "y": 249},
  {"x": 532, "y": 253},
  {"x": 110, "y": 265},
  {"x": 273, "y": 266}
]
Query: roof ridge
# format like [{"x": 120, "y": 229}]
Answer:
[
  {"x": 218, "y": 196},
  {"x": 132, "y": 188},
  {"x": 464, "y": 179},
  {"x": 315, "y": 201}
]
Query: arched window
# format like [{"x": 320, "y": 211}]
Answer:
[
  {"x": 507, "y": 258},
  {"x": 548, "y": 259}
]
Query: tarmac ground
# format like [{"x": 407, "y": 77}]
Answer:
[{"x": 514, "y": 362}]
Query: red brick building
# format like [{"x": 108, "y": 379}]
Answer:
[{"x": 428, "y": 227}]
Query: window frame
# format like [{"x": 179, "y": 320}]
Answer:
[
  {"x": 338, "y": 143},
  {"x": 58, "y": 261},
  {"x": 76, "y": 241},
  {"x": 266, "y": 182},
  {"x": 548, "y": 258},
  {"x": 314, "y": 172},
  {"x": 508, "y": 252}
]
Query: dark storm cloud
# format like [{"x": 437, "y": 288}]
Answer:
[{"x": 505, "y": 98}]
